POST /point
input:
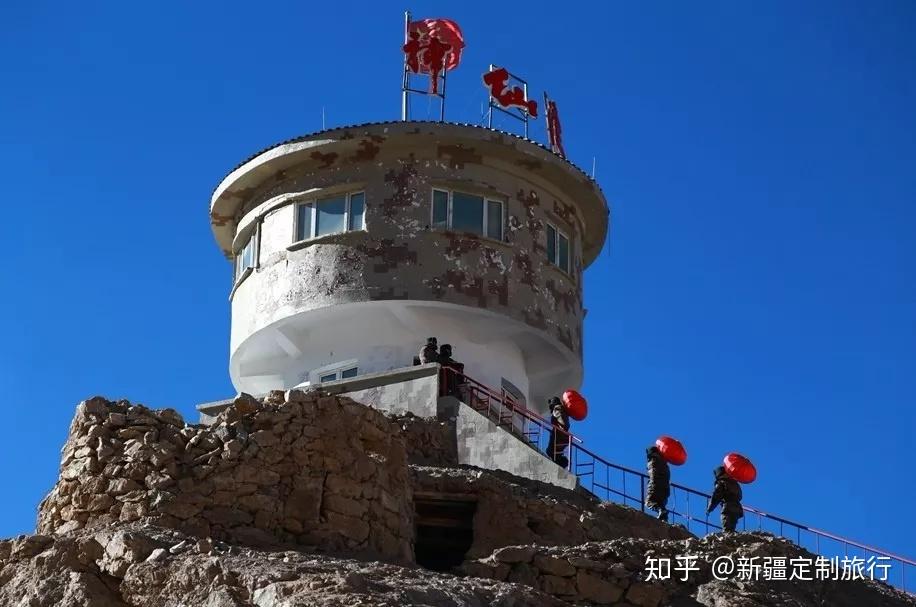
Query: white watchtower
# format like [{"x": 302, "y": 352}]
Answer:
[{"x": 355, "y": 244}]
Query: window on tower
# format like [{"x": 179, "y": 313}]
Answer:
[
  {"x": 342, "y": 370},
  {"x": 557, "y": 248},
  {"x": 331, "y": 215},
  {"x": 467, "y": 213},
  {"x": 246, "y": 256}
]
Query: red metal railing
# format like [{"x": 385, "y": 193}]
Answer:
[{"x": 612, "y": 482}]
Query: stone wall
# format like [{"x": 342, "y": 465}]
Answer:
[
  {"x": 513, "y": 510},
  {"x": 305, "y": 469},
  {"x": 297, "y": 468},
  {"x": 429, "y": 441},
  {"x": 614, "y": 573}
]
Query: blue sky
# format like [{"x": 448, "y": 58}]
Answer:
[{"x": 757, "y": 294}]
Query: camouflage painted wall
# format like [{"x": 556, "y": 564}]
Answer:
[{"x": 400, "y": 256}]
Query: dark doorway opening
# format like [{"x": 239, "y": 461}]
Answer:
[{"x": 444, "y": 531}]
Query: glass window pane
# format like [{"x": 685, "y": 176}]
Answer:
[
  {"x": 357, "y": 206},
  {"x": 440, "y": 209},
  {"x": 245, "y": 257},
  {"x": 551, "y": 244},
  {"x": 328, "y": 377},
  {"x": 304, "y": 222},
  {"x": 331, "y": 213},
  {"x": 467, "y": 213},
  {"x": 348, "y": 373},
  {"x": 495, "y": 219},
  {"x": 563, "y": 257}
]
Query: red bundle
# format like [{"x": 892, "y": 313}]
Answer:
[
  {"x": 672, "y": 450},
  {"x": 739, "y": 468},
  {"x": 575, "y": 404}
]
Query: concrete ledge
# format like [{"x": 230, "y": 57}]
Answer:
[{"x": 209, "y": 410}]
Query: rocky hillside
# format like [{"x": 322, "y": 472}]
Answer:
[
  {"x": 303, "y": 499},
  {"x": 132, "y": 565}
]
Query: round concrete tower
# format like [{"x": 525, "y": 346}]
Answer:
[{"x": 353, "y": 245}]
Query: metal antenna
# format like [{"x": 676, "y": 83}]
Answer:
[
  {"x": 323, "y": 127},
  {"x": 594, "y": 166}
]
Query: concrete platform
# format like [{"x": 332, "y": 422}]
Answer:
[{"x": 480, "y": 442}]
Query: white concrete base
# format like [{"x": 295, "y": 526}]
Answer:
[{"x": 380, "y": 336}]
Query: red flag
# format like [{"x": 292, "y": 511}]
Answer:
[
  {"x": 432, "y": 46},
  {"x": 554, "y": 132}
]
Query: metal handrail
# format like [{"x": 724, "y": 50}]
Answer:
[{"x": 584, "y": 464}]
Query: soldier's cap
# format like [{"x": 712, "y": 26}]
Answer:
[
  {"x": 430, "y": 340},
  {"x": 553, "y": 401}
]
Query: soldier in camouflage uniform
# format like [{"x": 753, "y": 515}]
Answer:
[
  {"x": 727, "y": 492},
  {"x": 659, "y": 483},
  {"x": 559, "y": 437},
  {"x": 453, "y": 380},
  {"x": 429, "y": 352}
]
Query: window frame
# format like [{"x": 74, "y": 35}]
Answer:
[
  {"x": 314, "y": 202},
  {"x": 449, "y": 213},
  {"x": 336, "y": 369},
  {"x": 558, "y": 233},
  {"x": 254, "y": 242}
]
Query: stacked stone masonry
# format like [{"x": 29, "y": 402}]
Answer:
[
  {"x": 614, "y": 573},
  {"x": 298, "y": 468}
]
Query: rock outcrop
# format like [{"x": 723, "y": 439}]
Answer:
[
  {"x": 303, "y": 499},
  {"x": 134, "y": 565}
]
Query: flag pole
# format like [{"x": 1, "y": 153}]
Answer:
[{"x": 406, "y": 81}]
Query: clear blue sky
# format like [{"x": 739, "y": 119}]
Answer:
[{"x": 758, "y": 292}]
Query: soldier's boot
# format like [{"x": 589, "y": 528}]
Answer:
[{"x": 663, "y": 515}]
